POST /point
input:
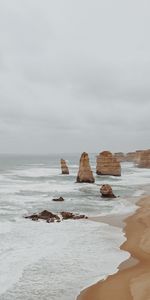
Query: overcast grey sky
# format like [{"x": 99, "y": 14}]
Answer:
[{"x": 74, "y": 75}]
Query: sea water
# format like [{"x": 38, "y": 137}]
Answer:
[{"x": 53, "y": 261}]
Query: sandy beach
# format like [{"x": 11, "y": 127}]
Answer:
[{"x": 132, "y": 281}]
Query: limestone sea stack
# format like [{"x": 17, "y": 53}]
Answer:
[
  {"x": 120, "y": 156},
  {"x": 106, "y": 191},
  {"x": 138, "y": 156},
  {"x": 144, "y": 159},
  {"x": 85, "y": 173},
  {"x": 131, "y": 157},
  {"x": 64, "y": 167},
  {"x": 107, "y": 164}
]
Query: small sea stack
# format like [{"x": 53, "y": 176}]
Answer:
[
  {"x": 64, "y": 167},
  {"x": 107, "y": 164},
  {"x": 144, "y": 159},
  {"x": 85, "y": 173},
  {"x": 106, "y": 191}
]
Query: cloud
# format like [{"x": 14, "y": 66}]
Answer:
[{"x": 74, "y": 76}]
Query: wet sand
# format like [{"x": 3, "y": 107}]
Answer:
[{"x": 132, "y": 281}]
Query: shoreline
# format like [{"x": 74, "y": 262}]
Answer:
[{"x": 132, "y": 281}]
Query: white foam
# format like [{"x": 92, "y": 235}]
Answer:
[
  {"x": 36, "y": 172},
  {"x": 5, "y": 227},
  {"x": 59, "y": 259},
  {"x": 80, "y": 252},
  {"x": 138, "y": 193}
]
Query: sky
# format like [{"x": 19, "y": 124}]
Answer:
[{"x": 74, "y": 76}]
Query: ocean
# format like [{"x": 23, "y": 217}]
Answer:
[{"x": 56, "y": 261}]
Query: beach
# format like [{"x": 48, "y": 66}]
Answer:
[{"x": 132, "y": 281}]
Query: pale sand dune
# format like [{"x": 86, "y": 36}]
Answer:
[{"x": 132, "y": 282}]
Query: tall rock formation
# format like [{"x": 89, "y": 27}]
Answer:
[
  {"x": 144, "y": 159},
  {"x": 85, "y": 173},
  {"x": 120, "y": 156},
  {"x": 131, "y": 156},
  {"x": 64, "y": 167},
  {"x": 107, "y": 164}
]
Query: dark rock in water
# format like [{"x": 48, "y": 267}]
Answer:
[
  {"x": 44, "y": 215},
  {"x": 106, "y": 191},
  {"x": 77, "y": 217},
  {"x": 33, "y": 217},
  {"x": 51, "y": 218},
  {"x": 60, "y": 199},
  {"x": 68, "y": 215}
]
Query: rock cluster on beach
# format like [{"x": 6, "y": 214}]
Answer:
[
  {"x": 106, "y": 191},
  {"x": 64, "y": 167},
  {"x": 49, "y": 217},
  {"x": 107, "y": 164},
  {"x": 85, "y": 173}
]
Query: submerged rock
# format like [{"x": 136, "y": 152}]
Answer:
[
  {"x": 60, "y": 199},
  {"x": 64, "y": 167},
  {"x": 107, "y": 164},
  {"x": 106, "y": 191},
  {"x": 85, "y": 173}
]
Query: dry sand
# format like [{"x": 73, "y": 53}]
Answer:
[{"x": 132, "y": 282}]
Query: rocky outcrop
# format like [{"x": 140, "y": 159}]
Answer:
[
  {"x": 144, "y": 159},
  {"x": 85, "y": 173},
  {"x": 131, "y": 157},
  {"x": 60, "y": 199},
  {"x": 137, "y": 156},
  {"x": 106, "y": 191},
  {"x": 44, "y": 215},
  {"x": 107, "y": 164},
  {"x": 68, "y": 215},
  {"x": 49, "y": 217},
  {"x": 120, "y": 156},
  {"x": 64, "y": 167}
]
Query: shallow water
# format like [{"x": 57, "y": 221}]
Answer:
[{"x": 49, "y": 261}]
